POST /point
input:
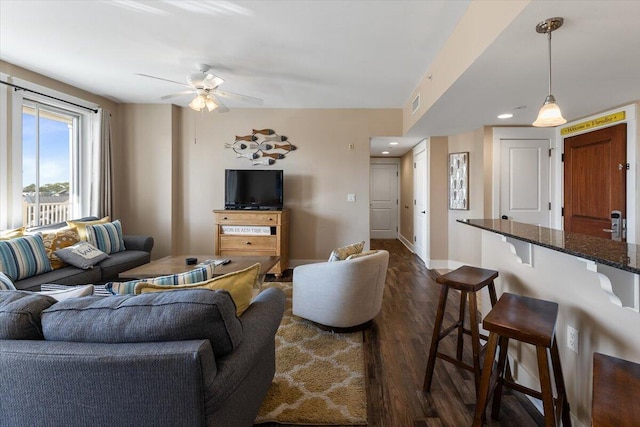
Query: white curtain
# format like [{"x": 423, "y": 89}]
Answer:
[{"x": 101, "y": 201}]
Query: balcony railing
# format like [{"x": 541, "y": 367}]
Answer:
[{"x": 49, "y": 213}]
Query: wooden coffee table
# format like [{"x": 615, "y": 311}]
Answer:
[{"x": 175, "y": 264}]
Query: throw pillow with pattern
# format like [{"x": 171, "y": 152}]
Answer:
[
  {"x": 81, "y": 226},
  {"x": 342, "y": 253},
  {"x": 106, "y": 237},
  {"x": 24, "y": 257},
  {"x": 5, "y": 283},
  {"x": 59, "y": 239},
  {"x": 202, "y": 272}
]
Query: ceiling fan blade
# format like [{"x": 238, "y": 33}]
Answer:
[
  {"x": 160, "y": 78},
  {"x": 239, "y": 97},
  {"x": 214, "y": 80},
  {"x": 173, "y": 95},
  {"x": 221, "y": 107}
]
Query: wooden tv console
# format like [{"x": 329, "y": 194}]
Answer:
[{"x": 235, "y": 236}]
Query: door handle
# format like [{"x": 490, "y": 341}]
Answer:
[
  {"x": 423, "y": 212},
  {"x": 616, "y": 226}
]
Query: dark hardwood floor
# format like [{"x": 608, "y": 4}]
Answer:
[{"x": 396, "y": 350}]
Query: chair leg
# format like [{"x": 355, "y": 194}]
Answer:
[
  {"x": 563, "y": 403},
  {"x": 502, "y": 365},
  {"x": 463, "y": 301},
  {"x": 435, "y": 339},
  {"x": 485, "y": 383},
  {"x": 545, "y": 387},
  {"x": 475, "y": 338}
]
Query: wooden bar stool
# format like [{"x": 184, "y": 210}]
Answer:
[
  {"x": 531, "y": 321},
  {"x": 468, "y": 280},
  {"x": 616, "y": 392}
]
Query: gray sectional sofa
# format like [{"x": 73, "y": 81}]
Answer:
[
  {"x": 179, "y": 358},
  {"x": 138, "y": 252}
]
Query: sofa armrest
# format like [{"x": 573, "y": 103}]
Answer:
[
  {"x": 253, "y": 361},
  {"x": 79, "y": 384},
  {"x": 138, "y": 243}
]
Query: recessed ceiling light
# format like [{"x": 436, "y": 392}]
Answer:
[
  {"x": 393, "y": 143},
  {"x": 385, "y": 152},
  {"x": 505, "y": 116}
]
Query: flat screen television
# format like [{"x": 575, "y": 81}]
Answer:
[{"x": 253, "y": 189}]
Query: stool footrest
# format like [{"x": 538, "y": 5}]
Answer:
[
  {"x": 522, "y": 389},
  {"x": 448, "y": 330},
  {"x": 455, "y": 361}
]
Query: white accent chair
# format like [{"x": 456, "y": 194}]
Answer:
[{"x": 341, "y": 294}]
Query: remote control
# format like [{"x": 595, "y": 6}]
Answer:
[{"x": 226, "y": 261}]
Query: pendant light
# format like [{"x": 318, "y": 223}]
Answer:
[{"x": 550, "y": 114}]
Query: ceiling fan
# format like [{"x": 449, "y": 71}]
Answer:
[{"x": 206, "y": 86}]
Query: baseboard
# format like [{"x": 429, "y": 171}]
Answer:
[
  {"x": 437, "y": 264},
  {"x": 406, "y": 242},
  {"x": 452, "y": 265}
]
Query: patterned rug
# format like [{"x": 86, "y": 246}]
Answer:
[{"x": 319, "y": 375}]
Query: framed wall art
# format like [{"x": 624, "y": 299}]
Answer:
[{"x": 459, "y": 181}]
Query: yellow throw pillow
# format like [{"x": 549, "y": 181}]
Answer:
[
  {"x": 81, "y": 226},
  {"x": 10, "y": 234},
  {"x": 58, "y": 239},
  {"x": 239, "y": 284}
]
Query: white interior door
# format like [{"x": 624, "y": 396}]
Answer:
[
  {"x": 383, "y": 191},
  {"x": 524, "y": 180},
  {"x": 420, "y": 203}
]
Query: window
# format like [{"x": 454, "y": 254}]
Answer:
[
  {"x": 49, "y": 142},
  {"x": 46, "y": 140}
]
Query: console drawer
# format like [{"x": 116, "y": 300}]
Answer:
[
  {"x": 248, "y": 243},
  {"x": 248, "y": 218}
]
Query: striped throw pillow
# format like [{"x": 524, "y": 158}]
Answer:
[
  {"x": 24, "y": 257},
  {"x": 106, "y": 237},
  {"x": 202, "y": 272},
  {"x": 5, "y": 283}
]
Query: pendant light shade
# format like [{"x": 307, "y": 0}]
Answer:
[{"x": 550, "y": 114}]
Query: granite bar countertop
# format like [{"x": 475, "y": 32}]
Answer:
[{"x": 604, "y": 251}]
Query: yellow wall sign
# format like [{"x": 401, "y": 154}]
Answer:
[{"x": 600, "y": 121}]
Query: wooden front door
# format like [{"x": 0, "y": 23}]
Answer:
[{"x": 595, "y": 181}]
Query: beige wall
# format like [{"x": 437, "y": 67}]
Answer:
[
  {"x": 438, "y": 199},
  {"x": 146, "y": 168},
  {"x": 318, "y": 175},
  {"x": 464, "y": 246},
  {"x": 406, "y": 197}
]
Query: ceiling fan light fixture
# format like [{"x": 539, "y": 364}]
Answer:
[
  {"x": 198, "y": 103},
  {"x": 550, "y": 114},
  {"x": 211, "y": 104}
]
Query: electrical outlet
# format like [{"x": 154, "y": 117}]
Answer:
[
  {"x": 572, "y": 338},
  {"x": 351, "y": 197}
]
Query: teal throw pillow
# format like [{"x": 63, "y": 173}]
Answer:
[
  {"x": 202, "y": 272},
  {"x": 24, "y": 257},
  {"x": 106, "y": 237}
]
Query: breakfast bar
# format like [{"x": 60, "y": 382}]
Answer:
[{"x": 594, "y": 281}]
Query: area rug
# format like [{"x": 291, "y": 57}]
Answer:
[{"x": 320, "y": 376}]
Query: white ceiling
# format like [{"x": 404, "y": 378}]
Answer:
[{"x": 331, "y": 54}]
